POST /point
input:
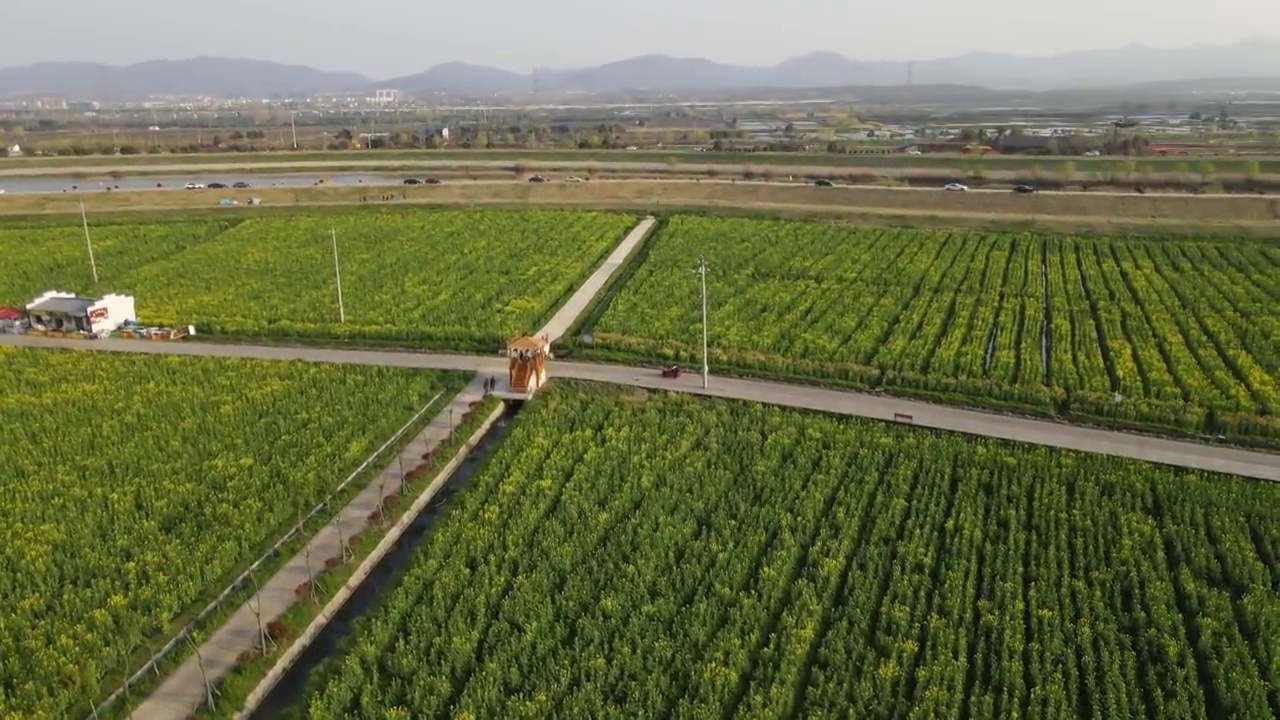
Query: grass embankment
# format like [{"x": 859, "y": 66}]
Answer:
[{"x": 1102, "y": 213}]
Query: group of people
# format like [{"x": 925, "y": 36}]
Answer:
[{"x": 490, "y": 384}]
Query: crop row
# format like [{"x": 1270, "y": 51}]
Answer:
[
  {"x": 1186, "y": 333},
  {"x": 134, "y": 485},
  {"x": 654, "y": 555},
  {"x": 449, "y": 278}
]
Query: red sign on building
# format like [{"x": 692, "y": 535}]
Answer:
[{"x": 97, "y": 314}]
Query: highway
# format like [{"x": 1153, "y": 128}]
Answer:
[
  {"x": 1181, "y": 453},
  {"x": 99, "y": 182}
]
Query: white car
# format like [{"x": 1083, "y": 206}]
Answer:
[
  {"x": 1093, "y": 153},
  {"x": 194, "y": 186},
  {"x": 955, "y": 187},
  {"x": 574, "y": 178}
]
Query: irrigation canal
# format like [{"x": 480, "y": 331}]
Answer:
[{"x": 288, "y": 698}]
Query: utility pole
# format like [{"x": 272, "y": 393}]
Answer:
[
  {"x": 702, "y": 271},
  {"x": 293, "y": 128},
  {"x": 88, "y": 243},
  {"x": 337, "y": 274}
]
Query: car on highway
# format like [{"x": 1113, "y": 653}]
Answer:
[
  {"x": 412, "y": 181},
  {"x": 823, "y": 182},
  {"x": 432, "y": 181},
  {"x": 1093, "y": 153},
  {"x": 539, "y": 179},
  {"x": 955, "y": 187},
  {"x": 242, "y": 185},
  {"x": 574, "y": 178},
  {"x": 216, "y": 186},
  {"x": 1025, "y": 189},
  {"x": 194, "y": 186}
]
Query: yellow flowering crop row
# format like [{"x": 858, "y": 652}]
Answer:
[
  {"x": 449, "y": 278},
  {"x": 46, "y": 256},
  {"x": 1186, "y": 331},
  {"x": 633, "y": 554}
]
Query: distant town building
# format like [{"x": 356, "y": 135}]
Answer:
[
  {"x": 441, "y": 133},
  {"x": 386, "y": 97}
]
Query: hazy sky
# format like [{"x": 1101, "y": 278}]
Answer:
[{"x": 385, "y": 38}]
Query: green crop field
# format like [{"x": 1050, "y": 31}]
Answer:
[
  {"x": 449, "y": 278},
  {"x": 135, "y": 485},
  {"x": 1187, "y": 332},
  {"x": 633, "y": 554}
]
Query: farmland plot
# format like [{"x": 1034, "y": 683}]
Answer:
[
  {"x": 43, "y": 257},
  {"x": 1187, "y": 333},
  {"x": 458, "y": 279},
  {"x": 632, "y": 554},
  {"x": 133, "y": 485}
]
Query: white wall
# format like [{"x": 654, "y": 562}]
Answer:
[{"x": 119, "y": 310}]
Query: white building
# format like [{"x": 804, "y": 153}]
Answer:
[
  {"x": 67, "y": 312},
  {"x": 386, "y": 97},
  {"x": 15, "y": 150}
]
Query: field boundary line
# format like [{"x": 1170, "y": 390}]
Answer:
[
  {"x": 581, "y": 299},
  {"x": 239, "y": 582},
  {"x": 340, "y": 598}
]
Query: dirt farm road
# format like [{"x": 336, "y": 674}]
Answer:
[{"x": 1179, "y": 453}]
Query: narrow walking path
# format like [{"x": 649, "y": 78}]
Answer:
[
  {"x": 183, "y": 691},
  {"x": 1183, "y": 453},
  {"x": 581, "y": 299}
]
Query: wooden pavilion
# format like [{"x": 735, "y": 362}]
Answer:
[{"x": 527, "y": 363}]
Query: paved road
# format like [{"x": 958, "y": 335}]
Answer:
[
  {"x": 1042, "y": 432},
  {"x": 21, "y": 184},
  {"x": 183, "y": 691},
  {"x": 578, "y": 302}
]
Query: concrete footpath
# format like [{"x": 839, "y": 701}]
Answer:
[
  {"x": 581, "y": 299},
  {"x": 183, "y": 691},
  {"x": 1166, "y": 451},
  {"x": 1184, "y": 453}
]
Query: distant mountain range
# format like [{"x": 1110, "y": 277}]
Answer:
[{"x": 226, "y": 77}]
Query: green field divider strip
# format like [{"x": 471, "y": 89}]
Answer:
[
  {"x": 587, "y": 321},
  {"x": 152, "y": 665}
]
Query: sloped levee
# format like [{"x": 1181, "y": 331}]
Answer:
[{"x": 287, "y": 699}]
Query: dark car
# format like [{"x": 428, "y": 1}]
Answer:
[
  {"x": 538, "y": 179},
  {"x": 216, "y": 186},
  {"x": 412, "y": 181},
  {"x": 823, "y": 182},
  {"x": 241, "y": 185},
  {"x": 433, "y": 181},
  {"x": 1024, "y": 189}
]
